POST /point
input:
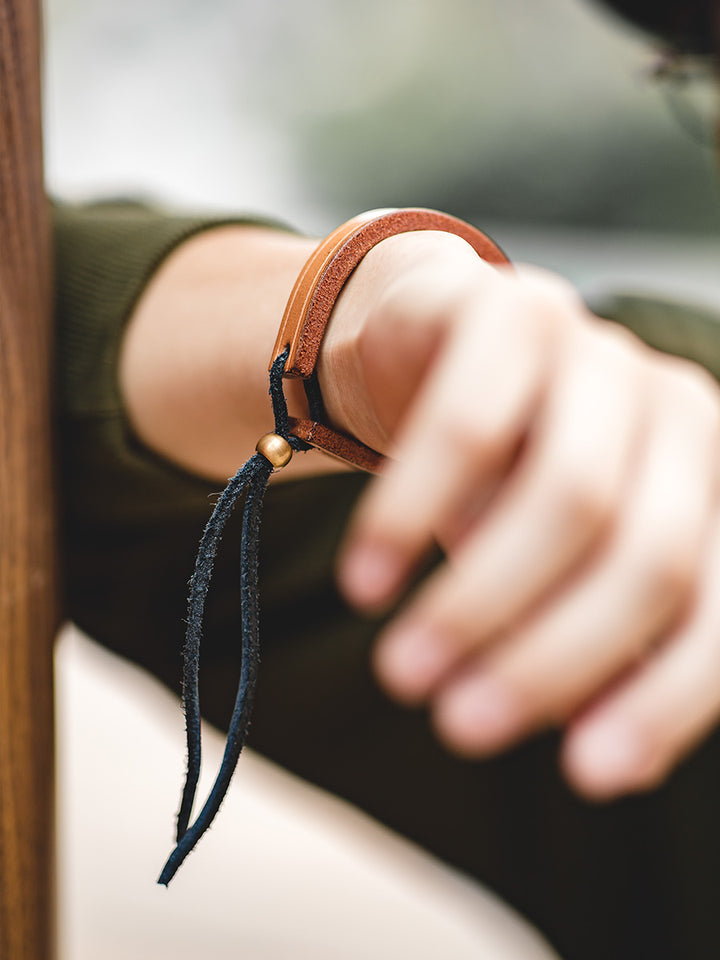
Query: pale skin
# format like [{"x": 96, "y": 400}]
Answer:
[{"x": 569, "y": 471}]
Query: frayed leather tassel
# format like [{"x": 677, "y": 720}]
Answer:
[{"x": 252, "y": 477}]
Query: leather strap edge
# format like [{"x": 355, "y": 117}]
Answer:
[{"x": 337, "y": 444}]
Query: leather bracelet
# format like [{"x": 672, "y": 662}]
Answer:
[{"x": 316, "y": 291}]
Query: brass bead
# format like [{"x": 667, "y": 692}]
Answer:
[{"x": 276, "y": 449}]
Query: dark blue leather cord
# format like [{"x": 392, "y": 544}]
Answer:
[
  {"x": 314, "y": 398},
  {"x": 253, "y": 477}
]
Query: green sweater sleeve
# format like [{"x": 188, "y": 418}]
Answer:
[{"x": 682, "y": 329}]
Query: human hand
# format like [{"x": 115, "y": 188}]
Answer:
[{"x": 570, "y": 472}]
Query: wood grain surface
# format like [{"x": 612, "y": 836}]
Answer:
[{"x": 27, "y": 571}]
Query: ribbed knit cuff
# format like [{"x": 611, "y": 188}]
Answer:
[{"x": 105, "y": 255}]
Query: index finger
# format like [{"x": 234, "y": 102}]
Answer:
[{"x": 459, "y": 438}]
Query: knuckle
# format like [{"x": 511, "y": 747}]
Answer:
[
  {"x": 550, "y": 289},
  {"x": 670, "y": 573},
  {"x": 620, "y": 344},
  {"x": 622, "y": 337},
  {"x": 553, "y": 300},
  {"x": 484, "y": 439},
  {"x": 585, "y": 503},
  {"x": 695, "y": 386},
  {"x": 684, "y": 371}
]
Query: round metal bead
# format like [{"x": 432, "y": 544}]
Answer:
[{"x": 275, "y": 448}]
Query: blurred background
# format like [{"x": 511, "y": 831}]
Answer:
[{"x": 536, "y": 119}]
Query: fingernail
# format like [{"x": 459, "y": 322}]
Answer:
[
  {"x": 479, "y": 713},
  {"x": 370, "y": 573},
  {"x": 411, "y": 659},
  {"x": 606, "y": 757}
]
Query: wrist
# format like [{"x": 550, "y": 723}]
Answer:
[{"x": 193, "y": 363}]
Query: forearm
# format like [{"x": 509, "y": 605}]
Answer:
[{"x": 193, "y": 365}]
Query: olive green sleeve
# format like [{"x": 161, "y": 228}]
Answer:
[{"x": 686, "y": 330}]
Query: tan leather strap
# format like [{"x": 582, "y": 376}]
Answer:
[{"x": 317, "y": 288}]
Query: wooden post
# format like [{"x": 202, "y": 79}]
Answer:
[{"x": 27, "y": 575}]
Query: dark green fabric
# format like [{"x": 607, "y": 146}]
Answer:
[
  {"x": 689, "y": 331},
  {"x": 635, "y": 880}
]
